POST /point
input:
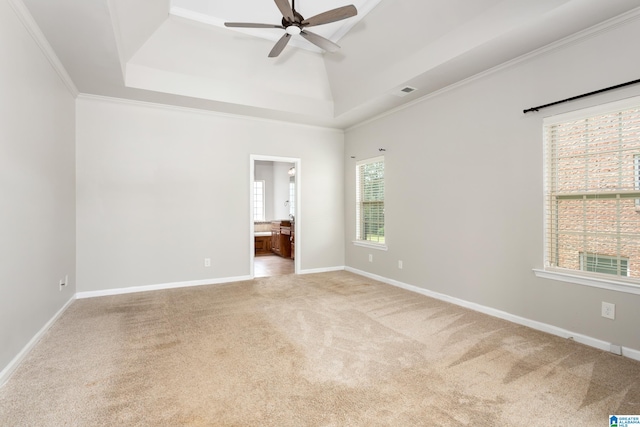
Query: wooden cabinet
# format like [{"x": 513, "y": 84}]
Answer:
[
  {"x": 293, "y": 240},
  {"x": 280, "y": 238},
  {"x": 262, "y": 245},
  {"x": 275, "y": 237}
]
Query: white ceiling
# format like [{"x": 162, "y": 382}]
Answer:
[{"x": 138, "y": 50}]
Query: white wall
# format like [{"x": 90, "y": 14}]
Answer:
[
  {"x": 464, "y": 186},
  {"x": 159, "y": 189},
  {"x": 37, "y": 203}
]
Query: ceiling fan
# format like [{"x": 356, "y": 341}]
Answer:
[{"x": 293, "y": 23}]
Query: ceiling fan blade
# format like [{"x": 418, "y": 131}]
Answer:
[
  {"x": 250, "y": 25},
  {"x": 285, "y": 9},
  {"x": 320, "y": 41},
  {"x": 332, "y": 15},
  {"x": 280, "y": 45}
]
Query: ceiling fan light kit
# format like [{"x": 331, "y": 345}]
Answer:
[{"x": 293, "y": 23}]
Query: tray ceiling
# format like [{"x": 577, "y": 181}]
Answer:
[{"x": 143, "y": 50}]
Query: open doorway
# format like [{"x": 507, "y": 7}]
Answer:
[{"x": 275, "y": 216}]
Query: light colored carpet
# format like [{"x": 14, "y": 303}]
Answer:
[{"x": 331, "y": 349}]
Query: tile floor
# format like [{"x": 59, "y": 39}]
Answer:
[{"x": 272, "y": 265}]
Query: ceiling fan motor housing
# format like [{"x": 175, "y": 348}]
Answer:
[{"x": 298, "y": 20}]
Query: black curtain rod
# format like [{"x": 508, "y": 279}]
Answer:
[{"x": 581, "y": 96}]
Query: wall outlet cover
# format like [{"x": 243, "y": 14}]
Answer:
[{"x": 608, "y": 310}]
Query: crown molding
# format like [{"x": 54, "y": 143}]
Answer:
[
  {"x": 34, "y": 30},
  {"x": 170, "y": 107}
]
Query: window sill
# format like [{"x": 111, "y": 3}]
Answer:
[
  {"x": 596, "y": 282},
  {"x": 370, "y": 245}
]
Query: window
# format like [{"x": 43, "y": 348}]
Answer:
[
  {"x": 370, "y": 201},
  {"x": 258, "y": 201},
  {"x": 604, "y": 264},
  {"x": 592, "y": 188},
  {"x": 292, "y": 198}
]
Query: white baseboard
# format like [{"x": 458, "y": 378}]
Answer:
[
  {"x": 322, "y": 270},
  {"x": 550, "y": 329},
  {"x": 6, "y": 373},
  {"x": 147, "y": 288}
]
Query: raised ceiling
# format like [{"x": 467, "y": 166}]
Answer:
[{"x": 138, "y": 50}]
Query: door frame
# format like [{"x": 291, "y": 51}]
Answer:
[{"x": 298, "y": 180}]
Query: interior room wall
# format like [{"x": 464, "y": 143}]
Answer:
[
  {"x": 160, "y": 189},
  {"x": 464, "y": 187},
  {"x": 37, "y": 169}
]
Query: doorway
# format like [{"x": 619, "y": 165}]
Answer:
[{"x": 274, "y": 216}]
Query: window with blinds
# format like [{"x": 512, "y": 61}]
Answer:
[
  {"x": 592, "y": 192},
  {"x": 370, "y": 201},
  {"x": 258, "y": 201}
]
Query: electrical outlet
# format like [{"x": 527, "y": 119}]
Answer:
[
  {"x": 608, "y": 310},
  {"x": 400, "y": 265},
  {"x": 370, "y": 257},
  {"x": 207, "y": 262}
]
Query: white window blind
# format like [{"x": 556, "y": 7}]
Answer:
[
  {"x": 370, "y": 200},
  {"x": 592, "y": 222},
  {"x": 292, "y": 198},
  {"x": 258, "y": 201}
]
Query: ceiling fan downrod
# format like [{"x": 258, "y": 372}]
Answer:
[{"x": 297, "y": 18}]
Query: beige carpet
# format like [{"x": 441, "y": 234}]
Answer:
[{"x": 332, "y": 349}]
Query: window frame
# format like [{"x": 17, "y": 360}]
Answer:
[
  {"x": 592, "y": 279},
  {"x": 358, "y": 241}
]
